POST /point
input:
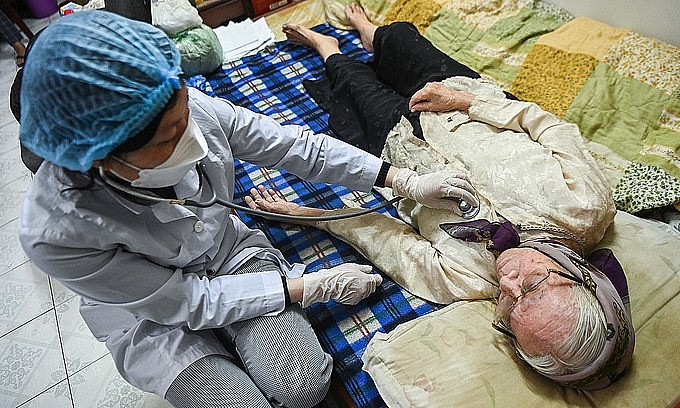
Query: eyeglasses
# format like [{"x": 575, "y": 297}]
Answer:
[{"x": 501, "y": 321}]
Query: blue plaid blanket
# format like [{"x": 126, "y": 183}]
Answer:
[{"x": 271, "y": 83}]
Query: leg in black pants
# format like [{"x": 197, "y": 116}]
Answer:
[
  {"x": 406, "y": 61},
  {"x": 363, "y": 109},
  {"x": 376, "y": 95}
]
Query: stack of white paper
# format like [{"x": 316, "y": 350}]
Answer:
[{"x": 244, "y": 38}]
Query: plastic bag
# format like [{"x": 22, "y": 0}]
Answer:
[
  {"x": 94, "y": 5},
  {"x": 201, "y": 50},
  {"x": 173, "y": 16}
]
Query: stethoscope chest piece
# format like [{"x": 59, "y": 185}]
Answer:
[{"x": 467, "y": 210}]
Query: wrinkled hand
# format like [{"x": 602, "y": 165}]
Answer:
[
  {"x": 268, "y": 200},
  {"x": 435, "y": 97},
  {"x": 435, "y": 190},
  {"x": 348, "y": 284}
]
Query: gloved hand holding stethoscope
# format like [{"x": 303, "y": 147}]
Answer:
[{"x": 447, "y": 190}]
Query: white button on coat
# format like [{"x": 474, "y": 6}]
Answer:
[{"x": 198, "y": 227}]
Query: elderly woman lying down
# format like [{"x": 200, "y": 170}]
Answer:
[{"x": 544, "y": 204}]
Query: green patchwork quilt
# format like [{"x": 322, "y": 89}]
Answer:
[{"x": 621, "y": 88}]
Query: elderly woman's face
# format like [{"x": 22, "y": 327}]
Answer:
[{"x": 544, "y": 316}]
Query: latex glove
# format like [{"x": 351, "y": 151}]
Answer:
[
  {"x": 443, "y": 189},
  {"x": 348, "y": 284}
]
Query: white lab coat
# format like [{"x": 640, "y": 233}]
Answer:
[{"x": 143, "y": 271}]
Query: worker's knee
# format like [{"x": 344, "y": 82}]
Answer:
[
  {"x": 307, "y": 397},
  {"x": 302, "y": 386}
]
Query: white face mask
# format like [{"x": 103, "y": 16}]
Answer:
[{"x": 191, "y": 147}]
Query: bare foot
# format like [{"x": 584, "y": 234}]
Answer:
[
  {"x": 358, "y": 19},
  {"x": 324, "y": 45},
  {"x": 269, "y": 200}
]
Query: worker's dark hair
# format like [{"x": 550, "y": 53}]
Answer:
[{"x": 30, "y": 159}]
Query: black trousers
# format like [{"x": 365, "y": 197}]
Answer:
[{"x": 366, "y": 100}]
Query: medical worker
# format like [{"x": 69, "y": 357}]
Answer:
[{"x": 103, "y": 103}]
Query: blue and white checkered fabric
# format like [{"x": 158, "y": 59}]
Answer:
[{"x": 271, "y": 83}]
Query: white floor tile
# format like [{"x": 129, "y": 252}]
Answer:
[
  {"x": 58, "y": 396},
  {"x": 60, "y": 293},
  {"x": 7, "y": 119},
  {"x": 9, "y": 141},
  {"x": 100, "y": 385},
  {"x": 8, "y": 64},
  {"x": 24, "y": 295},
  {"x": 11, "y": 197},
  {"x": 80, "y": 347},
  {"x": 11, "y": 128},
  {"x": 31, "y": 360},
  {"x": 11, "y": 253},
  {"x": 6, "y": 85},
  {"x": 11, "y": 171}
]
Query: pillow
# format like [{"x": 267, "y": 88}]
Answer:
[{"x": 453, "y": 357}]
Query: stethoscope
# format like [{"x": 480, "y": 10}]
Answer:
[
  {"x": 149, "y": 197},
  {"x": 468, "y": 210}
]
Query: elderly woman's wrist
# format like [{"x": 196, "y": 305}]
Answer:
[{"x": 464, "y": 100}]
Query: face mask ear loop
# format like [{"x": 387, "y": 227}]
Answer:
[{"x": 121, "y": 161}]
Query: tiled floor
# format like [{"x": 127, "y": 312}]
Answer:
[{"x": 48, "y": 358}]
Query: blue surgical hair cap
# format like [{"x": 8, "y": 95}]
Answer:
[{"x": 94, "y": 79}]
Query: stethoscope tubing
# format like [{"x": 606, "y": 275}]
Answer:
[{"x": 296, "y": 219}]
